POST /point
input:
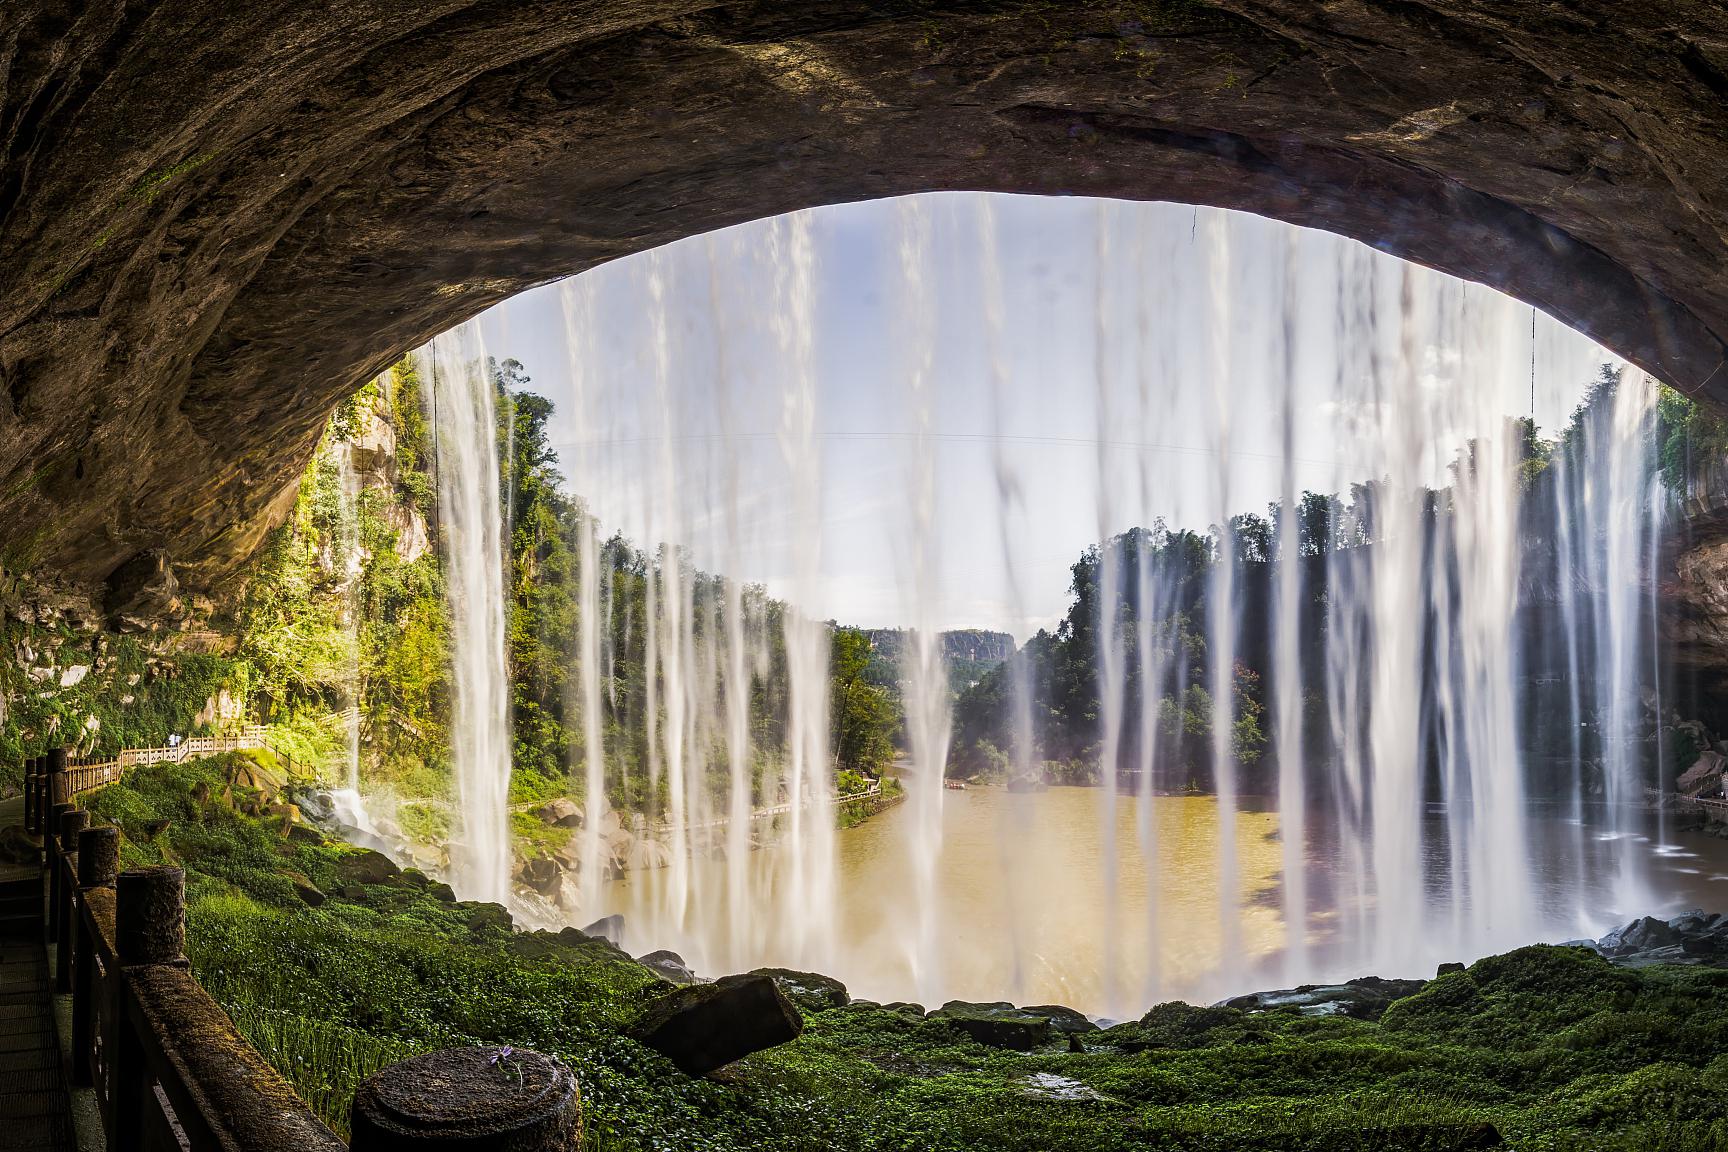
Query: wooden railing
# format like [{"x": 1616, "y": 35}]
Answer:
[
  {"x": 169, "y": 1071},
  {"x": 1706, "y": 803},
  {"x": 167, "y": 1067},
  {"x": 85, "y": 775}
]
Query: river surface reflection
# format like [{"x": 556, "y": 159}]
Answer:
[{"x": 1027, "y": 912}]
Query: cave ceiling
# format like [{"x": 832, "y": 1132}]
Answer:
[{"x": 217, "y": 220}]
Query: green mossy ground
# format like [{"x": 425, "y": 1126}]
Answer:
[{"x": 1554, "y": 1048}]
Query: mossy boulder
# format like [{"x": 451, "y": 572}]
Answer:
[
  {"x": 367, "y": 866},
  {"x": 810, "y": 991},
  {"x": 485, "y": 916},
  {"x": 702, "y": 1027},
  {"x": 1000, "y": 1024},
  {"x": 1366, "y": 998},
  {"x": 1062, "y": 1019}
]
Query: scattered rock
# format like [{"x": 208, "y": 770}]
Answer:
[
  {"x": 540, "y": 873},
  {"x": 155, "y": 828},
  {"x": 611, "y": 927},
  {"x": 811, "y": 991},
  {"x": 670, "y": 966},
  {"x": 905, "y": 1008},
  {"x": 1366, "y": 998},
  {"x": 1062, "y": 1019},
  {"x": 367, "y": 866},
  {"x": 354, "y": 892},
  {"x": 1448, "y": 969},
  {"x": 309, "y": 893},
  {"x": 702, "y": 1027},
  {"x": 441, "y": 891},
  {"x": 288, "y": 814},
  {"x": 1000, "y": 1024},
  {"x": 74, "y": 675},
  {"x": 483, "y": 915},
  {"x": 561, "y": 813},
  {"x": 1050, "y": 1086}
]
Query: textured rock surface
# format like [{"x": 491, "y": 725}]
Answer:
[
  {"x": 810, "y": 991},
  {"x": 217, "y": 219},
  {"x": 1693, "y": 937},
  {"x": 702, "y": 1027},
  {"x": 500, "y": 1099},
  {"x": 1366, "y": 998},
  {"x": 999, "y": 1024}
]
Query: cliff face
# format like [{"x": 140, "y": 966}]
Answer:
[
  {"x": 218, "y": 220},
  {"x": 1694, "y": 590}
]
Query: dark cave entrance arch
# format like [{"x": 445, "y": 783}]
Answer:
[{"x": 216, "y": 229}]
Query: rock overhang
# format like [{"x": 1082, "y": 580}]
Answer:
[{"x": 217, "y": 221}]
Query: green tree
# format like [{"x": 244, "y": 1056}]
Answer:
[{"x": 865, "y": 713}]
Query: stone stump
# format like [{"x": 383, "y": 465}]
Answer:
[{"x": 468, "y": 1100}]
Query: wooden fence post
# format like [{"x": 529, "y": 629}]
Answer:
[
  {"x": 149, "y": 928},
  {"x": 30, "y": 794},
  {"x": 98, "y": 864},
  {"x": 71, "y": 824},
  {"x": 51, "y": 848},
  {"x": 58, "y": 793}
]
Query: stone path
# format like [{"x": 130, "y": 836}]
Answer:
[{"x": 35, "y": 1110}]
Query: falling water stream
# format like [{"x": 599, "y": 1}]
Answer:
[
  {"x": 1237, "y": 364},
  {"x": 461, "y": 407}
]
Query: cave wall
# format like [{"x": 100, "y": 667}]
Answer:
[{"x": 217, "y": 220}]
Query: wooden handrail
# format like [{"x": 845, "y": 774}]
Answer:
[
  {"x": 170, "y": 1071},
  {"x": 86, "y": 775}
]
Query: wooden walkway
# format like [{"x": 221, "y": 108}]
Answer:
[{"x": 35, "y": 1110}]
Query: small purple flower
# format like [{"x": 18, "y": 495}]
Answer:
[{"x": 501, "y": 1055}]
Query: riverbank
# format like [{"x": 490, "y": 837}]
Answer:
[{"x": 333, "y": 964}]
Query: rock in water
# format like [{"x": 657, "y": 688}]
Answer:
[
  {"x": 1000, "y": 1025},
  {"x": 1641, "y": 935},
  {"x": 811, "y": 991},
  {"x": 706, "y": 1026},
  {"x": 610, "y": 927},
  {"x": 669, "y": 965}
]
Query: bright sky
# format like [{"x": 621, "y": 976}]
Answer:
[{"x": 1071, "y": 395}]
